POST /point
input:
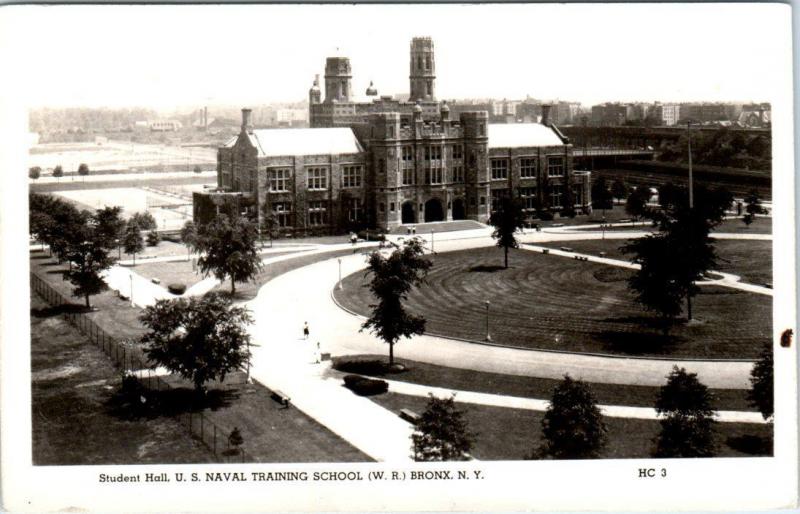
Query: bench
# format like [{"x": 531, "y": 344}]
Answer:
[
  {"x": 566, "y": 249},
  {"x": 155, "y": 281},
  {"x": 545, "y": 250},
  {"x": 281, "y": 398},
  {"x": 409, "y": 415}
]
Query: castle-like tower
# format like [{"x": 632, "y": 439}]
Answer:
[
  {"x": 338, "y": 79},
  {"x": 314, "y": 94},
  {"x": 422, "y": 74}
]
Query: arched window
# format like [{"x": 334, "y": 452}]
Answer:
[
  {"x": 419, "y": 62},
  {"x": 427, "y": 62}
]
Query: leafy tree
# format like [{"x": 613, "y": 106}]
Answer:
[
  {"x": 235, "y": 439},
  {"x": 144, "y": 220},
  {"x": 636, "y": 205},
  {"x": 441, "y": 433},
  {"x": 153, "y": 238},
  {"x": 83, "y": 169},
  {"x": 197, "y": 169},
  {"x": 619, "y": 190},
  {"x": 228, "y": 248},
  {"x": 58, "y": 171},
  {"x": 572, "y": 427},
  {"x": 392, "y": 279},
  {"x": 753, "y": 207},
  {"x": 568, "y": 201},
  {"x": 687, "y": 427},
  {"x": 762, "y": 392},
  {"x": 35, "y": 172},
  {"x": 201, "y": 339},
  {"x": 601, "y": 197},
  {"x": 507, "y": 218},
  {"x": 88, "y": 254},
  {"x": 133, "y": 242},
  {"x": 189, "y": 236},
  {"x": 110, "y": 225},
  {"x": 41, "y": 225}
]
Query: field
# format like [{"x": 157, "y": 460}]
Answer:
[
  {"x": 170, "y": 211},
  {"x": 551, "y": 302},
  {"x": 116, "y": 155},
  {"x": 512, "y": 434}
]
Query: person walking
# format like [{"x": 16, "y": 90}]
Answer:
[
  {"x": 305, "y": 330},
  {"x": 317, "y": 354}
]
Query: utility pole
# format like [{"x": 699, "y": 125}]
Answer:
[{"x": 691, "y": 190}]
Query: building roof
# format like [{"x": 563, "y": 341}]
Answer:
[
  {"x": 513, "y": 135},
  {"x": 303, "y": 141}
]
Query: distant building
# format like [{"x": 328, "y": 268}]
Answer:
[
  {"x": 164, "y": 125},
  {"x": 666, "y": 114}
]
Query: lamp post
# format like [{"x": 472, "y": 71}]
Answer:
[
  {"x": 340, "y": 272},
  {"x": 689, "y": 136},
  {"x": 131, "y": 277},
  {"x": 488, "y": 336},
  {"x": 432, "y": 242}
]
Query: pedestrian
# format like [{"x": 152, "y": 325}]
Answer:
[
  {"x": 353, "y": 238},
  {"x": 305, "y": 330},
  {"x": 317, "y": 354}
]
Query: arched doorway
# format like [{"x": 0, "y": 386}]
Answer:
[
  {"x": 459, "y": 211},
  {"x": 433, "y": 210},
  {"x": 407, "y": 213}
]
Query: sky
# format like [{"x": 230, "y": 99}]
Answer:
[{"x": 186, "y": 56}]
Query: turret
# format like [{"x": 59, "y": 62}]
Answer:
[
  {"x": 422, "y": 67},
  {"x": 314, "y": 94},
  {"x": 247, "y": 127},
  {"x": 337, "y": 79}
]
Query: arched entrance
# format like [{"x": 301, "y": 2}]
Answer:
[
  {"x": 433, "y": 210},
  {"x": 459, "y": 211},
  {"x": 407, "y": 213}
]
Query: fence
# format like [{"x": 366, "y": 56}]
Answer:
[{"x": 132, "y": 359}]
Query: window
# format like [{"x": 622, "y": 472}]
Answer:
[
  {"x": 555, "y": 166},
  {"x": 480, "y": 129},
  {"x": 408, "y": 153},
  {"x": 391, "y": 131},
  {"x": 317, "y": 178},
  {"x": 317, "y": 213},
  {"x": 381, "y": 166},
  {"x": 527, "y": 168},
  {"x": 408, "y": 176},
  {"x": 419, "y": 62},
  {"x": 355, "y": 210},
  {"x": 499, "y": 169},
  {"x": 279, "y": 180},
  {"x": 483, "y": 200},
  {"x": 351, "y": 176},
  {"x": 458, "y": 173},
  {"x": 433, "y": 153},
  {"x": 382, "y": 207},
  {"x": 556, "y": 193},
  {"x": 391, "y": 207},
  {"x": 497, "y": 194},
  {"x": 458, "y": 151},
  {"x": 281, "y": 213},
  {"x": 528, "y": 195},
  {"x": 427, "y": 62},
  {"x": 433, "y": 175}
]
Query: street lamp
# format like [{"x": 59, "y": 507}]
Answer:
[
  {"x": 432, "y": 242},
  {"x": 488, "y": 336},
  {"x": 131, "y": 277},
  {"x": 340, "y": 272}
]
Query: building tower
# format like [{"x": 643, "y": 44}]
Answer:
[
  {"x": 314, "y": 94},
  {"x": 337, "y": 79},
  {"x": 422, "y": 69}
]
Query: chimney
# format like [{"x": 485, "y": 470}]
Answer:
[
  {"x": 205, "y": 118},
  {"x": 546, "y": 114},
  {"x": 246, "y": 126}
]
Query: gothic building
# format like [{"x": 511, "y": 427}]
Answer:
[{"x": 383, "y": 163}]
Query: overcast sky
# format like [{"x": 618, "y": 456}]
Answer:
[{"x": 174, "y": 56}]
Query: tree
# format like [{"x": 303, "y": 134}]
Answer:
[
  {"x": 189, "y": 237},
  {"x": 507, "y": 217},
  {"x": 753, "y": 207},
  {"x": 601, "y": 197},
  {"x": 687, "y": 427},
  {"x": 441, "y": 433},
  {"x": 153, "y": 238},
  {"x": 133, "y": 242},
  {"x": 568, "y": 200},
  {"x": 572, "y": 427},
  {"x": 392, "y": 279},
  {"x": 228, "y": 248},
  {"x": 110, "y": 226},
  {"x": 144, "y": 220},
  {"x": 58, "y": 172},
  {"x": 83, "y": 169},
  {"x": 35, "y": 172},
  {"x": 619, "y": 190},
  {"x": 636, "y": 205},
  {"x": 201, "y": 339},
  {"x": 762, "y": 391},
  {"x": 87, "y": 252},
  {"x": 197, "y": 169}
]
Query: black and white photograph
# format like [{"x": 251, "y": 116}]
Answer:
[{"x": 392, "y": 257}]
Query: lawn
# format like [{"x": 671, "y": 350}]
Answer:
[
  {"x": 169, "y": 272},
  {"x": 752, "y": 260},
  {"x": 551, "y": 302},
  {"x": 761, "y": 225},
  {"x": 529, "y": 387},
  {"x": 512, "y": 434}
]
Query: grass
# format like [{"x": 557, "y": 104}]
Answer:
[
  {"x": 525, "y": 387},
  {"x": 551, "y": 302},
  {"x": 761, "y": 225},
  {"x": 169, "y": 272},
  {"x": 73, "y": 385},
  {"x": 512, "y": 434},
  {"x": 752, "y": 260},
  {"x": 271, "y": 434}
]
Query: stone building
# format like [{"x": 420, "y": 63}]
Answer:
[{"x": 385, "y": 163}]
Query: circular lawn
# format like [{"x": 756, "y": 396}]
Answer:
[{"x": 557, "y": 303}]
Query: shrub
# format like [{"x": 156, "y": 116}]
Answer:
[
  {"x": 364, "y": 386},
  {"x": 545, "y": 215},
  {"x": 363, "y": 367},
  {"x": 178, "y": 289},
  {"x": 153, "y": 238}
]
